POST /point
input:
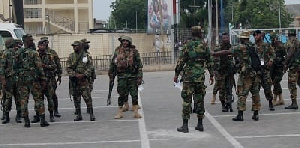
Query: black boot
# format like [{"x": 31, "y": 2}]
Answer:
[
  {"x": 52, "y": 116},
  {"x": 57, "y": 114},
  {"x": 18, "y": 117},
  {"x": 184, "y": 128},
  {"x": 43, "y": 122},
  {"x": 36, "y": 118},
  {"x": 78, "y": 117},
  {"x": 26, "y": 121},
  {"x": 6, "y": 119},
  {"x": 224, "y": 107},
  {"x": 239, "y": 116},
  {"x": 271, "y": 106},
  {"x": 91, "y": 112},
  {"x": 199, "y": 126},
  {"x": 294, "y": 105},
  {"x": 255, "y": 115}
]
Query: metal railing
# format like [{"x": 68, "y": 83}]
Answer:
[{"x": 61, "y": 21}]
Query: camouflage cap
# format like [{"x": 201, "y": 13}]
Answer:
[
  {"x": 85, "y": 41},
  {"x": 196, "y": 29},
  {"x": 76, "y": 43},
  {"x": 244, "y": 35},
  {"x": 41, "y": 42},
  {"x": 129, "y": 39},
  {"x": 44, "y": 38},
  {"x": 26, "y": 36},
  {"x": 120, "y": 38},
  {"x": 9, "y": 43}
]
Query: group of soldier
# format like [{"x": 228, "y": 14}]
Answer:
[
  {"x": 257, "y": 65},
  {"x": 25, "y": 69}
]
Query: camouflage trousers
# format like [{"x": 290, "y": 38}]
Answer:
[
  {"x": 196, "y": 90},
  {"x": 82, "y": 90},
  {"x": 54, "y": 97},
  {"x": 246, "y": 83},
  {"x": 266, "y": 83},
  {"x": 219, "y": 80},
  {"x": 125, "y": 87},
  {"x": 11, "y": 90},
  {"x": 277, "y": 74},
  {"x": 33, "y": 87},
  {"x": 49, "y": 93},
  {"x": 293, "y": 79}
]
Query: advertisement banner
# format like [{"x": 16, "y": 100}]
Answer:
[{"x": 159, "y": 16}]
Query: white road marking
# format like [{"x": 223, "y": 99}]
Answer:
[
  {"x": 267, "y": 136},
  {"x": 142, "y": 126},
  {"x": 273, "y": 114},
  {"x": 222, "y": 130}
]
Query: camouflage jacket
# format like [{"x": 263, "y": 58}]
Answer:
[
  {"x": 126, "y": 62},
  {"x": 9, "y": 63},
  {"x": 93, "y": 71},
  {"x": 194, "y": 58},
  {"x": 58, "y": 69},
  {"x": 79, "y": 63},
  {"x": 265, "y": 52},
  {"x": 280, "y": 53},
  {"x": 49, "y": 64},
  {"x": 30, "y": 65},
  {"x": 293, "y": 54},
  {"x": 241, "y": 53},
  {"x": 223, "y": 64}
]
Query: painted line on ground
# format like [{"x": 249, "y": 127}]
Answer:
[
  {"x": 267, "y": 136},
  {"x": 273, "y": 114},
  {"x": 73, "y": 143},
  {"x": 223, "y": 131},
  {"x": 142, "y": 125}
]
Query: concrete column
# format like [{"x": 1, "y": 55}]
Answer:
[
  {"x": 91, "y": 17},
  {"x": 44, "y": 16},
  {"x": 76, "y": 16}
]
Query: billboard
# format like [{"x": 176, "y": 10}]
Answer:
[{"x": 159, "y": 16}]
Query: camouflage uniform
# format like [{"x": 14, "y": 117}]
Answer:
[
  {"x": 31, "y": 79},
  {"x": 127, "y": 65},
  {"x": 49, "y": 68},
  {"x": 266, "y": 55},
  {"x": 193, "y": 58},
  {"x": 292, "y": 62},
  {"x": 78, "y": 67},
  {"x": 9, "y": 71}
]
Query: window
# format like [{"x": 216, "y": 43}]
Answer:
[
  {"x": 32, "y": 2},
  {"x": 33, "y": 13},
  {"x": 19, "y": 33}
]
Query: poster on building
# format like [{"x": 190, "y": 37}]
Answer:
[{"x": 159, "y": 16}]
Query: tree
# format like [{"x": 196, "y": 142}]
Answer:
[{"x": 124, "y": 13}]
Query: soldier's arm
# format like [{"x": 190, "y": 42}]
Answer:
[
  {"x": 51, "y": 64},
  {"x": 112, "y": 67},
  {"x": 289, "y": 56},
  {"x": 38, "y": 65},
  {"x": 181, "y": 61},
  {"x": 57, "y": 63},
  {"x": 69, "y": 67},
  {"x": 139, "y": 65},
  {"x": 88, "y": 71},
  {"x": 272, "y": 53}
]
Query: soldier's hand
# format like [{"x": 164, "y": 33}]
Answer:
[
  {"x": 285, "y": 68},
  {"x": 176, "y": 79},
  {"x": 139, "y": 81},
  {"x": 58, "y": 80},
  {"x": 211, "y": 80},
  {"x": 43, "y": 65}
]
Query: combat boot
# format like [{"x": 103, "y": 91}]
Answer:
[
  {"x": 6, "y": 119},
  {"x": 275, "y": 100},
  {"x": 294, "y": 105},
  {"x": 57, "y": 114},
  {"x": 280, "y": 101},
  {"x": 18, "y": 117},
  {"x": 52, "y": 116},
  {"x": 239, "y": 116},
  {"x": 271, "y": 107},
  {"x": 136, "y": 112},
  {"x": 92, "y": 117},
  {"x": 255, "y": 115},
  {"x": 79, "y": 116},
  {"x": 43, "y": 122},
  {"x": 199, "y": 126},
  {"x": 27, "y": 122},
  {"x": 36, "y": 118},
  {"x": 184, "y": 128},
  {"x": 213, "y": 99},
  {"x": 224, "y": 107},
  {"x": 120, "y": 113},
  {"x": 126, "y": 106}
]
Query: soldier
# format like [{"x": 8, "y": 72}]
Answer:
[
  {"x": 79, "y": 65},
  {"x": 126, "y": 64},
  {"x": 49, "y": 68},
  {"x": 248, "y": 79},
  {"x": 224, "y": 72},
  {"x": 267, "y": 56},
  {"x": 58, "y": 73},
  {"x": 86, "y": 47},
  {"x": 8, "y": 71},
  {"x": 292, "y": 63},
  {"x": 31, "y": 79},
  {"x": 277, "y": 71},
  {"x": 193, "y": 58}
]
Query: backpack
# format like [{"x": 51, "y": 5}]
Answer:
[{"x": 255, "y": 61}]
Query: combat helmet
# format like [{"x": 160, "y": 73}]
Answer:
[
  {"x": 129, "y": 39},
  {"x": 244, "y": 35},
  {"x": 196, "y": 30}
]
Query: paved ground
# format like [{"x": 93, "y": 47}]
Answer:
[{"x": 161, "y": 109}]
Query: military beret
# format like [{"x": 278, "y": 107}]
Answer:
[
  {"x": 76, "y": 43},
  {"x": 85, "y": 40}
]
